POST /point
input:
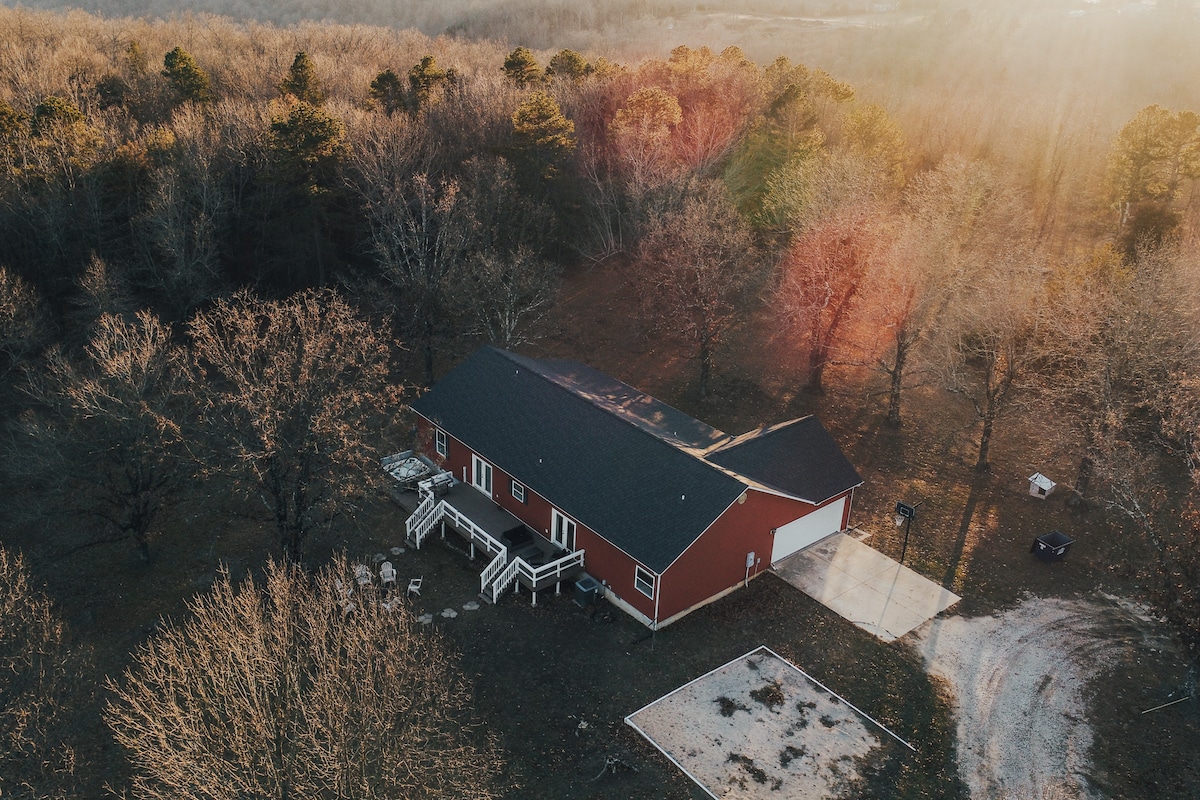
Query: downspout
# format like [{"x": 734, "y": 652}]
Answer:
[
  {"x": 657, "y": 597},
  {"x": 849, "y": 508}
]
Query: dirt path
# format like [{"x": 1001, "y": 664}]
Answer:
[{"x": 1020, "y": 679}]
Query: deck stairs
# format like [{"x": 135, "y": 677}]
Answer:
[{"x": 505, "y": 568}]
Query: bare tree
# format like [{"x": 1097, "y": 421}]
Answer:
[
  {"x": 641, "y": 136},
  {"x": 1123, "y": 338},
  {"x": 423, "y": 232},
  {"x": 181, "y": 229},
  {"x": 24, "y": 322},
  {"x": 1181, "y": 575},
  {"x": 507, "y": 284},
  {"x": 288, "y": 390},
  {"x": 504, "y": 294},
  {"x": 39, "y": 676},
  {"x": 989, "y": 343},
  {"x": 947, "y": 219},
  {"x": 300, "y": 687},
  {"x": 697, "y": 266},
  {"x": 821, "y": 276},
  {"x": 1125, "y": 375},
  {"x": 104, "y": 430}
]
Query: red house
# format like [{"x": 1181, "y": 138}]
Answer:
[{"x": 562, "y": 470}]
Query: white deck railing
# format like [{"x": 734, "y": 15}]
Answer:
[
  {"x": 419, "y": 515},
  {"x": 518, "y": 567},
  {"x": 491, "y": 571},
  {"x": 500, "y": 573},
  {"x": 426, "y": 524},
  {"x": 476, "y": 534}
]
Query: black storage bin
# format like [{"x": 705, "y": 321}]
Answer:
[
  {"x": 587, "y": 589},
  {"x": 1052, "y": 546}
]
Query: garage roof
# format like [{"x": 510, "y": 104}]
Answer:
[{"x": 798, "y": 458}]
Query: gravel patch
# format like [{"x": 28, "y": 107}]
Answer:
[{"x": 1020, "y": 680}]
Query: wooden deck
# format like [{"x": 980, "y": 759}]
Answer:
[{"x": 522, "y": 541}]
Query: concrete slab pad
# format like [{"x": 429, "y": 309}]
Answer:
[
  {"x": 875, "y": 592},
  {"x": 819, "y": 579},
  {"x": 871, "y": 609},
  {"x": 759, "y": 727}
]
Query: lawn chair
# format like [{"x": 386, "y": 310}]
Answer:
[
  {"x": 362, "y": 574},
  {"x": 414, "y": 586},
  {"x": 387, "y": 574}
]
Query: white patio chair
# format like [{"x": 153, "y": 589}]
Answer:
[
  {"x": 362, "y": 574},
  {"x": 387, "y": 574},
  {"x": 414, "y": 586}
]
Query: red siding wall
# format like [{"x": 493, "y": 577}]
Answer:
[
  {"x": 606, "y": 562},
  {"x": 717, "y": 560}
]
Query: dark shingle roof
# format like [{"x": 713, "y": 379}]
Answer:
[
  {"x": 798, "y": 458},
  {"x": 651, "y": 415},
  {"x": 538, "y": 421}
]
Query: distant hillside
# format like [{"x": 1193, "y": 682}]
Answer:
[{"x": 1058, "y": 54}]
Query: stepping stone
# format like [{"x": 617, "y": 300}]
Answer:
[
  {"x": 471, "y": 605},
  {"x": 378, "y": 558},
  {"x": 397, "y": 551},
  {"x": 425, "y": 619},
  {"x": 449, "y": 613}
]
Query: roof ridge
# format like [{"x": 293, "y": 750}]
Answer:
[
  {"x": 732, "y": 475},
  {"x": 752, "y": 434}
]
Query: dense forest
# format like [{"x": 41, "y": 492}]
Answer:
[{"x": 215, "y": 234}]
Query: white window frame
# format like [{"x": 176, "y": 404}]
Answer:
[
  {"x": 481, "y": 474},
  {"x": 518, "y": 490},
  {"x": 643, "y": 579},
  {"x": 440, "y": 444},
  {"x": 561, "y": 523}
]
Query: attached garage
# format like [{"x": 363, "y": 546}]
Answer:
[{"x": 808, "y": 530}]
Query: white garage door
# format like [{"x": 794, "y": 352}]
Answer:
[{"x": 814, "y": 527}]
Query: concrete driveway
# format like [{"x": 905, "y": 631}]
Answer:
[{"x": 874, "y": 592}]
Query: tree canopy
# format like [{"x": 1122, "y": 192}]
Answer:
[
  {"x": 302, "y": 82},
  {"x": 190, "y": 82},
  {"x": 299, "y": 686},
  {"x": 289, "y": 393},
  {"x": 522, "y": 68}
]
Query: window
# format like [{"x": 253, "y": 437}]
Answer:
[
  {"x": 481, "y": 475},
  {"x": 562, "y": 530},
  {"x": 439, "y": 443},
  {"x": 518, "y": 491},
  {"x": 643, "y": 581}
]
